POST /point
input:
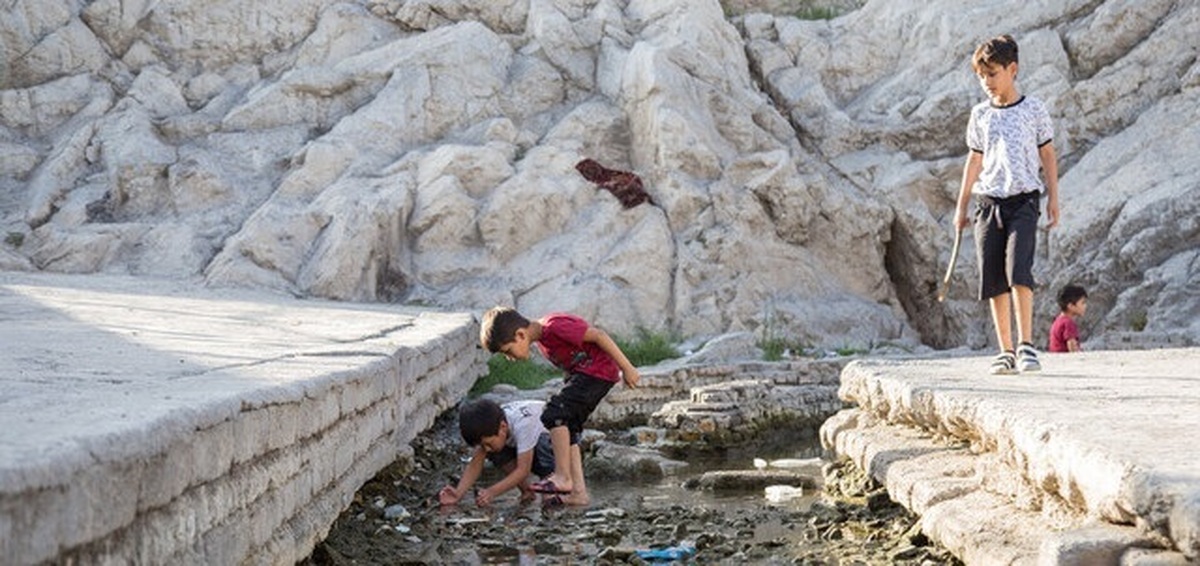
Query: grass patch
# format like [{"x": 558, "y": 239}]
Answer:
[
  {"x": 647, "y": 348},
  {"x": 772, "y": 341},
  {"x": 1138, "y": 321},
  {"x": 773, "y": 348},
  {"x": 14, "y": 239},
  {"x": 776, "y": 349},
  {"x": 522, "y": 374},
  {"x": 817, "y": 13}
]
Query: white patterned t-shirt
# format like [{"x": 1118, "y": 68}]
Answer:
[
  {"x": 524, "y": 424},
  {"x": 1009, "y": 138}
]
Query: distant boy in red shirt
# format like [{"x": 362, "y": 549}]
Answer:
[
  {"x": 593, "y": 362},
  {"x": 1064, "y": 334}
]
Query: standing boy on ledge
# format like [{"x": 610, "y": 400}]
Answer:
[{"x": 1009, "y": 137}]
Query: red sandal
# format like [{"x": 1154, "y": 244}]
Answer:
[{"x": 547, "y": 486}]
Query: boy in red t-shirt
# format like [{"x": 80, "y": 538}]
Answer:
[
  {"x": 1064, "y": 334},
  {"x": 593, "y": 363}
]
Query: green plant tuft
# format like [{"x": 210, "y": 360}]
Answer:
[
  {"x": 647, "y": 348},
  {"x": 522, "y": 374},
  {"x": 817, "y": 13},
  {"x": 773, "y": 349},
  {"x": 1138, "y": 321},
  {"x": 773, "y": 343},
  {"x": 14, "y": 239}
]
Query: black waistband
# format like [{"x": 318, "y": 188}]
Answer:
[{"x": 1013, "y": 200}]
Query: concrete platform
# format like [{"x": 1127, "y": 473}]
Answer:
[
  {"x": 156, "y": 422},
  {"x": 1096, "y": 460}
]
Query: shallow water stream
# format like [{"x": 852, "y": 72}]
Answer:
[{"x": 395, "y": 519}]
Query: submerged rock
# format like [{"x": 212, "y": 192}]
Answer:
[{"x": 745, "y": 480}]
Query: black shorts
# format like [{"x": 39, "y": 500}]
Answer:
[
  {"x": 543, "y": 456},
  {"x": 1005, "y": 242},
  {"x": 572, "y": 406}
]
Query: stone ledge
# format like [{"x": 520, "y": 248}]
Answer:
[
  {"x": 1056, "y": 449},
  {"x": 176, "y": 424}
]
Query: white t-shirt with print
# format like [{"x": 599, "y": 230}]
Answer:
[
  {"x": 524, "y": 424},
  {"x": 1009, "y": 138}
]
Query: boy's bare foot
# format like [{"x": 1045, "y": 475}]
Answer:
[{"x": 579, "y": 500}]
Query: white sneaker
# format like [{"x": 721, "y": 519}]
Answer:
[
  {"x": 1005, "y": 363},
  {"x": 1027, "y": 358}
]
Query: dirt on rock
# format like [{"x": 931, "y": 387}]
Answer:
[{"x": 395, "y": 519}]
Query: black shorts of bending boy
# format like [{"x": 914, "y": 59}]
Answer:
[
  {"x": 543, "y": 457},
  {"x": 572, "y": 406}
]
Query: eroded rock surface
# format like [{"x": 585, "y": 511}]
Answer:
[{"x": 803, "y": 171}]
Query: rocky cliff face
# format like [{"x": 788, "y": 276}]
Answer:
[{"x": 803, "y": 172}]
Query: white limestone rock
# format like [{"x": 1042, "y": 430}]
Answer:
[
  {"x": 506, "y": 16},
  {"x": 350, "y": 258},
  {"x": 802, "y": 171},
  {"x": 158, "y": 94},
  {"x": 17, "y": 160},
  {"x": 72, "y": 47},
  {"x": 10, "y": 260},
  {"x": 53, "y": 179},
  {"x": 343, "y": 30},
  {"x": 1130, "y": 233},
  {"x": 219, "y": 33},
  {"x": 115, "y": 22}
]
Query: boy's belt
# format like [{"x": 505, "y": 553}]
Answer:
[{"x": 1007, "y": 202}]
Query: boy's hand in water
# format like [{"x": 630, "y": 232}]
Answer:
[
  {"x": 448, "y": 496},
  {"x": 483, "y": 497}
]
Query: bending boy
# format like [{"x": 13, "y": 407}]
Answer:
[
  {"x": 512, "y": 438},
  {"x": 593, "y": 363}
]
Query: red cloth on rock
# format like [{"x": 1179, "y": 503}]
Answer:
[{"x": 626, "y": 186}]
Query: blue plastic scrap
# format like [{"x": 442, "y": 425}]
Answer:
[{"x": 669, "y": 554}]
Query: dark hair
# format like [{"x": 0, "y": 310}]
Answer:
[
  {"x": 499, "y": 327},
  {"x": 1069, "y": 294},
  {"x": 1001, "y": 50},
  {"x": 478, "y": 419}
]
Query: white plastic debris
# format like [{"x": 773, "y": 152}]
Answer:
[
  {"x": 396, "y": 511},
  {"x": 781, "y": 493},
  {"x": 792, "y": 463}
]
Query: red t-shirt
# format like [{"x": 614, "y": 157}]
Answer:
[
  {"x": 562, "y": 344},
  {"x": 1062, "y": 331}
]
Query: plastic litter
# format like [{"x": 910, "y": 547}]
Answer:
[
  {"x": 791, "y": 463},
  {"x": 781, "y": 493},
  {"x": 669, "y": 554}
]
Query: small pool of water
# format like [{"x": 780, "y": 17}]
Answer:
[
  {"x": 673, "y": 512},
  {"x": 669, "y": 489}
]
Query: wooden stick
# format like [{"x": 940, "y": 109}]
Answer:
[{"x": 950, "y": 269}]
